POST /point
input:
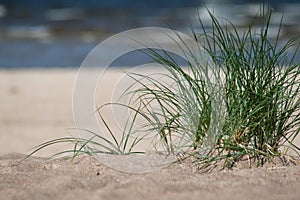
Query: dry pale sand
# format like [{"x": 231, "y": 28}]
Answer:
[
  {"x": 36, "y": 105},
  {"x": 87, "y": 178}
]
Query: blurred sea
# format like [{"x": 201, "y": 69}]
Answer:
[{"x": 60, "y": 33}]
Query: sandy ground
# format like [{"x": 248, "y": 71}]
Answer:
[
  {"x": 36, "y": 106},
  {"x": 87, "y": 178}
]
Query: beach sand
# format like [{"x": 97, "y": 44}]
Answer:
[{"x": 36, "y": 106}]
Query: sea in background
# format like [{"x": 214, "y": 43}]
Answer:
[{"x": 60, "y": 33}]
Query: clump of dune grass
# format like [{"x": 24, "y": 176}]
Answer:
[
  {"x": 253, "y": 112},
  {"x": 243, "y": 102},
  {"x": 262, "y": 88}
]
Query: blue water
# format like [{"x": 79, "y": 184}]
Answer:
[
  {"x": 20, "y": 54},
  {"x": 61, "y": 33}
]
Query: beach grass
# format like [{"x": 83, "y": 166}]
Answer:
[
  {"x": 242, "y": 102},
  {"x": 261, "y": 91}
]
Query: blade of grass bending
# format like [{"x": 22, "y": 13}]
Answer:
[
  {"x": 51, "y": 142},
  {"x": 104, "y": 139}
]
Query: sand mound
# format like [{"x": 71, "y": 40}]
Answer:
[{"x": 86, "y": 178}]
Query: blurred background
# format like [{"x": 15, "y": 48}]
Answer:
[{"x": 60, "y": 33}]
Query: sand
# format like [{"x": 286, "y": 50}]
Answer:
[
  {"x": 36, "y": 106},
  {"x": 86, "y": 178}
]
